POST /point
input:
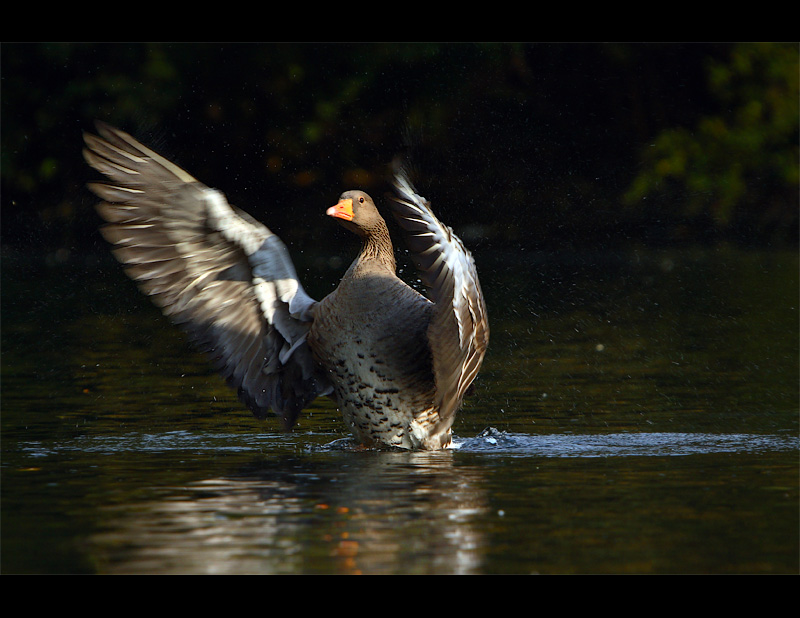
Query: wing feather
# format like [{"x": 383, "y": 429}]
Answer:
[
  {"x": 216, "y": 272},
  {"x": 459, "y": 330}
]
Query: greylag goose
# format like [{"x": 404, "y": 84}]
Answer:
[{"x": 397, "y": 363}]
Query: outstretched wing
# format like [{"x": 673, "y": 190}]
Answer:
[
  {"x": 459, "y": 331},
  {"x": 213, "y": 270}
]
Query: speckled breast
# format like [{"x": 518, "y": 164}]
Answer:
[{"x": 380, "y": 364}]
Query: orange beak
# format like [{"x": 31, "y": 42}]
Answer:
[{"x": 342, "y": 210}]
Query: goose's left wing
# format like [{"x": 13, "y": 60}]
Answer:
[{"x": 459, "y": 329}]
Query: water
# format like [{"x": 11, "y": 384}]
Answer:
[{"x": 637, "y": 413}]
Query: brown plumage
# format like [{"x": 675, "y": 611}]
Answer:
[{"x": 397, "y": 363}]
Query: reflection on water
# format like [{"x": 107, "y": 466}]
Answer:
[
  {"x": 644, "y": 415},
  {"x": 335, "y": 508},
  {"x": 365, "y": 516},
  {"x": 342, "y": 510}
]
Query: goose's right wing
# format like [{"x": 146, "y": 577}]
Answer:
[{"x": 214, "y": 271}]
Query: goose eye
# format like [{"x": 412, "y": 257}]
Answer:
[{"x": 361, "y": 200}]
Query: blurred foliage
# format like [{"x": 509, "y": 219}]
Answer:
[
  {"x": 524, "y": 144},
  {"x": 737, "y": 168}
]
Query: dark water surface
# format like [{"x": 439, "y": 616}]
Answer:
[{"x": 637, "y": 413}]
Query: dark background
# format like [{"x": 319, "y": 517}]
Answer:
[{"x": 562, "y": 146}]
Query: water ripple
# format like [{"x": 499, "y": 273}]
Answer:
[
  {"x": 491, "y": 441},
  {"x": 623, "y": 444}
]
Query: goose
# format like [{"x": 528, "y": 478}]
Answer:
[{"x": 398, "y": 363}]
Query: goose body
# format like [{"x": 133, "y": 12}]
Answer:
[{"x": 397, "y": 363}]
